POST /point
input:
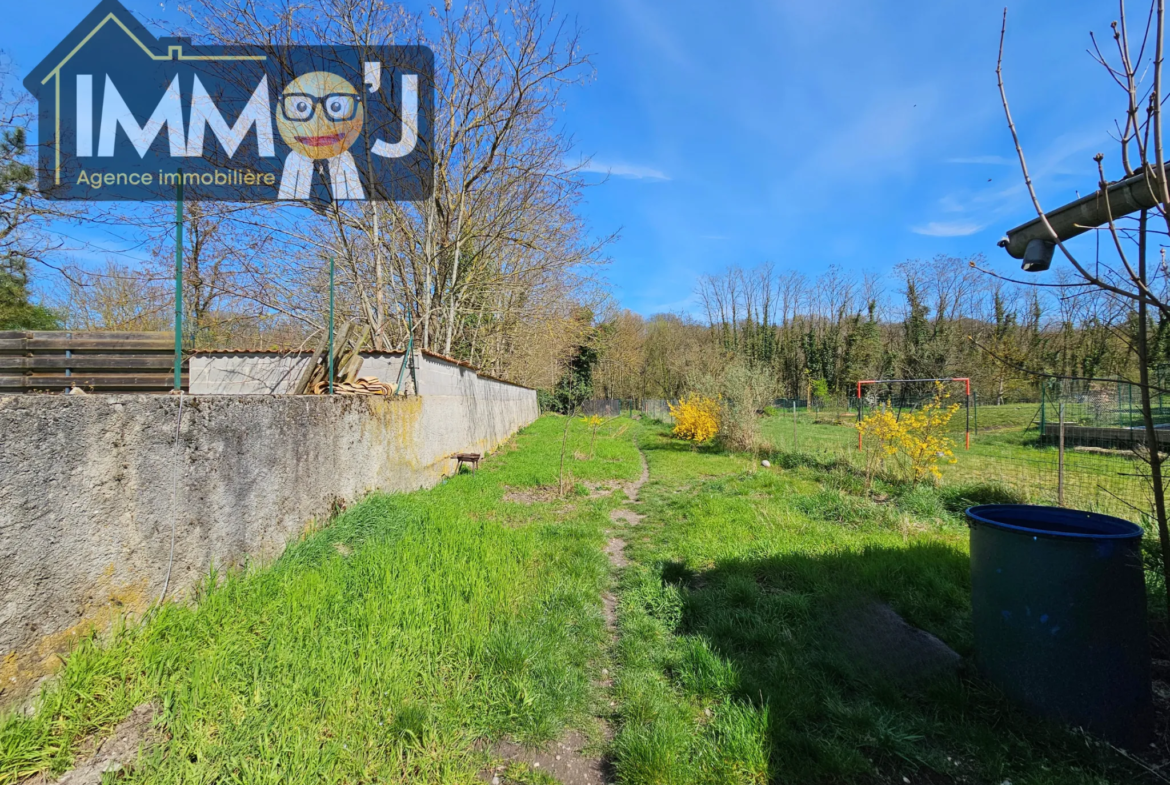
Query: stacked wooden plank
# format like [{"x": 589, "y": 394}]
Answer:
[
  {"x": 347, "y": 363},
  {"x": 57, "y": 361},
  {"x": 365, "y": 385}
]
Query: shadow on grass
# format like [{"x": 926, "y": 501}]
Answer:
[
  {"x": 780, "y": 636},
  {"x": 666, "y": 444}
]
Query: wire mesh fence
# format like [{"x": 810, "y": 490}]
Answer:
[
  {"x": 658, "y": 409},
  {"x": 604, "y": 407},
  {"x": 1102, "y": 465},
  {"x": 1015, "y": 446},
  {"x": 655, "y": 408}
]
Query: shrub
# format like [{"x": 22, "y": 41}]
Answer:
[
  {"x": 696, "y": 418},
  {"x": 744, "y": 391},
  {"x": 915, "y": 442}
]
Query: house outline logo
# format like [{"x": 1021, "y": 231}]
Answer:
[{"x": 152, "y": 101}]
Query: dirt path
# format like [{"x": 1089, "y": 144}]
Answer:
[
  {"x": 118, "y": 751},
  {"x": 570, "y": 761}
]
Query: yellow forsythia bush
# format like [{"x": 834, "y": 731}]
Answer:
[
  {"x": 696, "y": 418},
  {"x": 916, "y": 440}
]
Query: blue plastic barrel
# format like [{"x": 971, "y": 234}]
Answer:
[{"x": 1058, "y": 604}]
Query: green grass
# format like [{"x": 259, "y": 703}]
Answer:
[
  {"x": 729, "y": 670},
  {"x": 1002, "y": 452},
  {"x": 454, "y": 616},
  {"x": 384, "y": 647}
]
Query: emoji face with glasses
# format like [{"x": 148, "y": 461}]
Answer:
[{"x": 320, "y": 115}]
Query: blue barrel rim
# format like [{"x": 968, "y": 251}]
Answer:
[{"x": 1121, "y": 528}]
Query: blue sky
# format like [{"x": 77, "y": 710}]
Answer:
[{"x": 846, "y": 132}]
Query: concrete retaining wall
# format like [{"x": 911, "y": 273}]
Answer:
[{"x": 86, "y": 499}]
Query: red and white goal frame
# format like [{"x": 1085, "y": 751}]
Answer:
[{"x": 967, "y": 385}]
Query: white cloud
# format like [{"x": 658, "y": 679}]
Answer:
[
  {"x": 996, "y": 160},
  {"x": 632, "y": 171},
  {"x": 947, "y": 228}
]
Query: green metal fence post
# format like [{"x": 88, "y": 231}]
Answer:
[
  {"x": 331, "y": 325},
  {"x": 1119, "y": 423},
  {"x": 409, "y": 353},
  {"x": 179, "y": 283},
  {"x": 1129, "y": 419},
  {"x": 1043, "y": 432}
]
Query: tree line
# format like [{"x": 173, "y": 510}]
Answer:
[{"x": 937, "y": 318}]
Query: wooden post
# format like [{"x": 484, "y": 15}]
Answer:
[{"x": 1060, "y": 460}]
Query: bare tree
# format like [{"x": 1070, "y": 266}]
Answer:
[
  {"x": 1133, "y": 283},
  {"x": 501, "y": 241}
]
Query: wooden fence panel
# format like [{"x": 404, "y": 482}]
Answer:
[{"x": 40, "y": 361}]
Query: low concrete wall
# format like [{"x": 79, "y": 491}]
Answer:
[
  {"x": 274, "y": 373},
  {"x": 86, "y": 500},
  {"x": 1112, "y": 438}
]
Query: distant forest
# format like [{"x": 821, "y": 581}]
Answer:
[{"x": 941, "y": 317}]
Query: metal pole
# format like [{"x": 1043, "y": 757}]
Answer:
[
  {"x": 1060, "y": 461},
  {"x": 794, "y": 442},
  {"x": 408, "y": 353},
  {"x": 859, "y": 415},
  {"x": 331, "y": 325},
  {"x": 1043, "y": 424},
  {"x": 968, "y": 436},
  {"x": 179, "y": 283}
]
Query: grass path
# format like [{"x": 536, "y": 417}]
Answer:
[{"x": 575, "y": 759}]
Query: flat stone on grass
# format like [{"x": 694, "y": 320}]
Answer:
[{"x": 880, "y": 643}]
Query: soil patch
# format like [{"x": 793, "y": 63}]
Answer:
[
  {"x": 599, "y": 489},
  {"x": 632, "y": 488},
  {"x": 118, "y": 751},
  {"x": 534, "y": 495},
  {"x": 566, "y": 760},
  {"x": 622, "y": 515},
  {"x": 615, "y": 550}
]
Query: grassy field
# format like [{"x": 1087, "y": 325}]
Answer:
[
  {"x": 390, "y": 645},
  {"x": 1003, "y": 450},
  {"x": 733, "y": 669}
]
